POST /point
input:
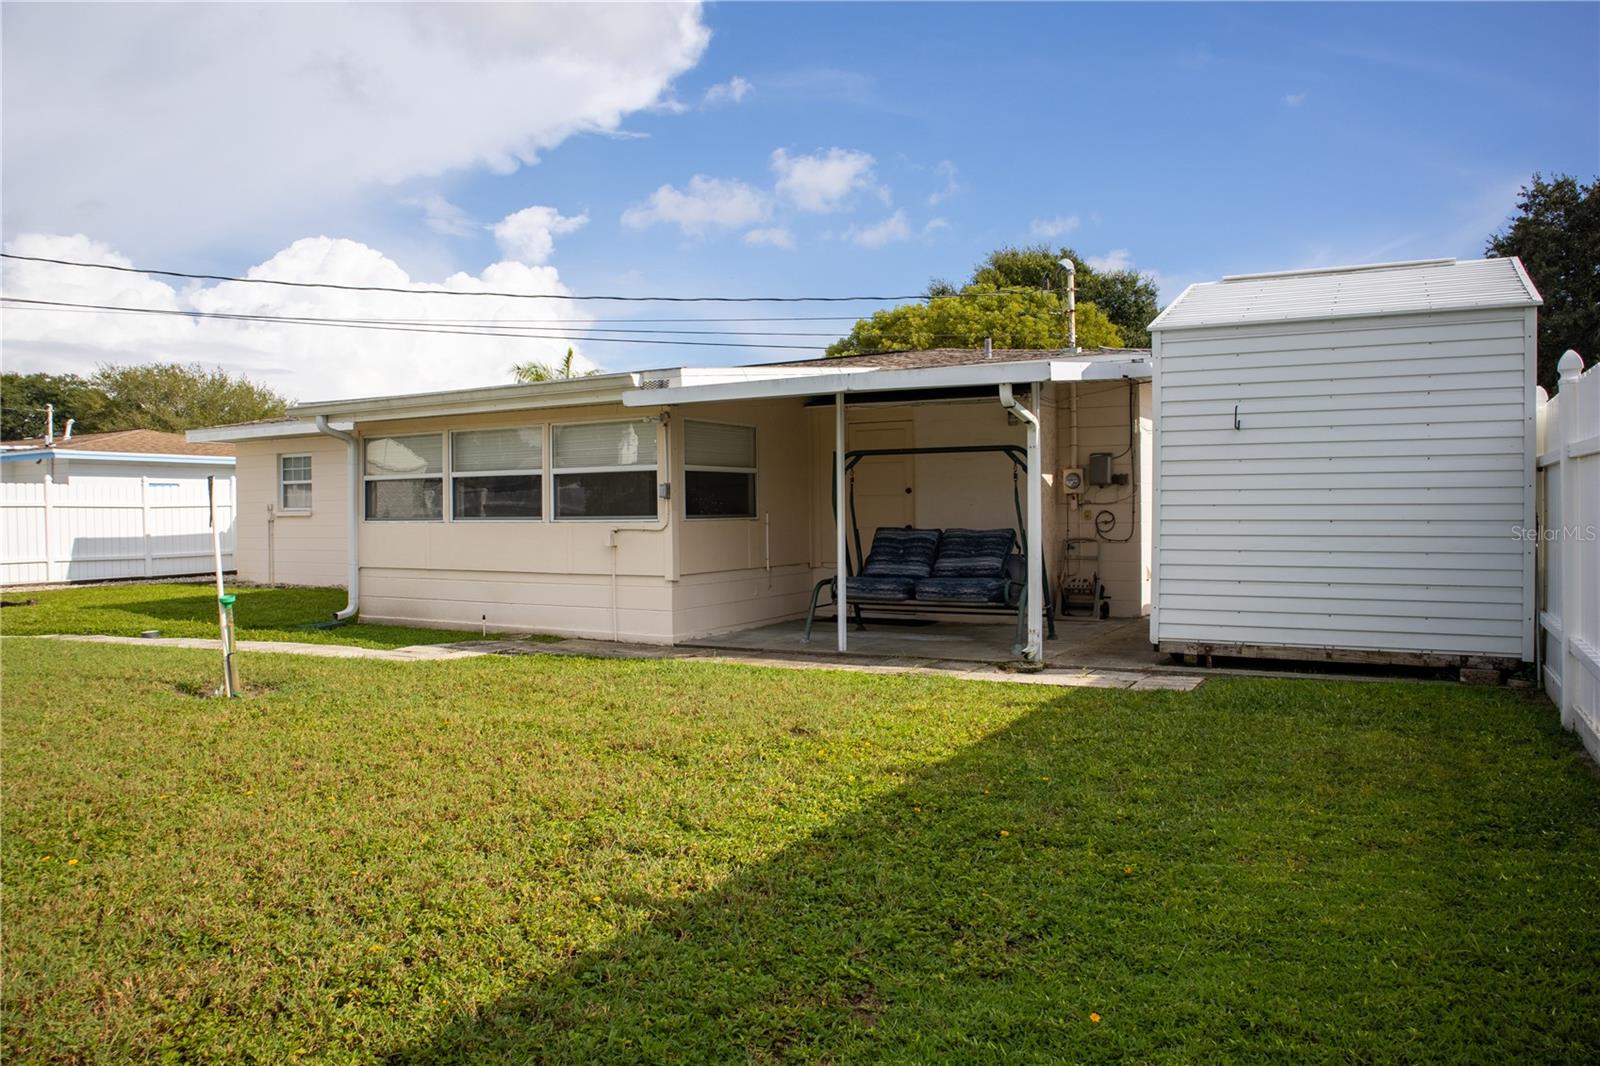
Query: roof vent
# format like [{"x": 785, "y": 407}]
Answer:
[{"x": 655, "y": 383}]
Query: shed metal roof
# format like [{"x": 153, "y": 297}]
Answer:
[{"x": 1415, "y": 287}]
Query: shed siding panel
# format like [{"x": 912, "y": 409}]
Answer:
[{"x": 1366, "y": 499}]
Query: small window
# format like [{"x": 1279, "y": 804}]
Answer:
[
  {"x": 604, "y": 470},
  {"x": 719, "y": 470},
  {"x": 496, "y": 473},
  {"x": 294, "y": 482},
  {"x": 404, "y": 478}
]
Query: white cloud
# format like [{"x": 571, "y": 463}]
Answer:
[
  {"x": 1116, "y": 259},
  {"x": 732, "y": 91},
  {"x": 709, "y": 203},
  {"x": 528, "y": 236},
  {"x": 149, "y": 124},
  {"x": 1050, "y": 228},
  {"x": 946, "y": 170},
  {"x": 933, "y": 225},
  {"x": 892, "y": 229},
  {"x": 305, "y": 362},
  {"x": 1294, "y": 99},
  {"x": 772, "y": 237},
  {"x": 822, "y": 181},
  {"x": 442, "y": 216}
]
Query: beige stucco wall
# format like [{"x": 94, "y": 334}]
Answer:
[
  {"x": 653, "y": 581},
  {"x": 677, "y": 578},
  {"x": 291, "y": 548},
  {"x": 1120, "y": 555}
]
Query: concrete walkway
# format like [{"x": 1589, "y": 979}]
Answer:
[{"x": 1067, "y": 677}]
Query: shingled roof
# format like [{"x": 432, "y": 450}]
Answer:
[
  {"x": 125, "y": 441},
  {"x": 958, "y": 357}
]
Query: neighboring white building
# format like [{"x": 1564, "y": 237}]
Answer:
[
  {"x": 1342, "y": 460},
  {"x": 103, "y": 506}
]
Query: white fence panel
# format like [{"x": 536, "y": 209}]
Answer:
[
  {"x": 105, "y": 525},
  {"x": 1569, "y": 461}
]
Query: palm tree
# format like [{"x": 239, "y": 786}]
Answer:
[{"x": 535, "y": 371}]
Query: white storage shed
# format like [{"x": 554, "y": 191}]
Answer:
[{"x": 1344, "y": 465}]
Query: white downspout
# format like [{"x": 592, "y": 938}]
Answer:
[
  {"x": 1035, "y": 646},
  {"x": 353, "y": 531},
  {"x": 662, "y": 522},
  {"x": 840, "y": 559}
]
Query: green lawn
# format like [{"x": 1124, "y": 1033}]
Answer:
[
  {"x": 559, "y": 859},
  {"x": 190, "y": 610}
]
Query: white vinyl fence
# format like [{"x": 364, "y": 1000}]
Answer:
[
  {"x": 1569, "y": 542},
  {"x": 105, "y": 521}
]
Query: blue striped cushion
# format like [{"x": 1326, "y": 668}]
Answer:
[
  {"x": 879, "y": 589},
  {"x": 973, "y": 552},
  {"x": 901, "y": 553},
  {"x": 965, "y": 590}
]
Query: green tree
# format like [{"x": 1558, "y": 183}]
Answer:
[
  {"x": 535, "y": 371},
  {"x": 175, "y": 397},
  {"x": 1126, "y": 297},
  {"x": 1017, "y": 318},
  {"x": 23, "y": 398},
  {"x": 1556, "y": 234}
]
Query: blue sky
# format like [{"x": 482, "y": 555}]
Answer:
[
  {"x": 1203, "y": 140},
  {"x": 1185, "y": 140}
]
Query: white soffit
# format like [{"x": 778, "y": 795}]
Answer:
[{"x": 781, "y": 382}]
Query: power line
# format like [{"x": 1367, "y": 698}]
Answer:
[
  {"x": 46, "y": 305},
  {"x": 455, "y": 292},
  {"x": 473, "y": 324}
]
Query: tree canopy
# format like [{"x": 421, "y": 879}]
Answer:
[
  {"x": 1556, "y": 234},
  {"x": 23, "y": 398},
  {"x": 165, "y": 396},
  {"x": 1126, "y": 297},
  {"x": 1014, "y": 318},
  {"x": 1015, "y": 297},
  {"x": 561, "y": 371}
]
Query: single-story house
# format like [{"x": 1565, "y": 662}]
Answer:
[
  {"x": 1312, "y": 464},
  {"x": 663, "y": 505},
  {"x": 104, "y": 506}
]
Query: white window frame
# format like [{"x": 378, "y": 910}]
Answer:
[
  {"x": 442, "y": 475},
  {"x": 542, "y": 473},
  {"x": 555, "y": 472},
  {"x": 753, "y": 471},
  {"x": 307, "y": 482}
]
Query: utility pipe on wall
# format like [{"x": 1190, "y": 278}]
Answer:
[
  {"x": 840, "y": 560},
  {"x": 662, "y": 522},
  {"x": 1035, "y": 562},
  {"x": 353, "y": 530}
]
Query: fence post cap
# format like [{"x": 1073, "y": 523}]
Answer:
[{"x": 1570, "y": 366}]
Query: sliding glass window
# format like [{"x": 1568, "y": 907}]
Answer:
[
  {"x": 604, "y": 470},
  {"x": 404, "y": 478},
  {"x": 497, "y": 473}
]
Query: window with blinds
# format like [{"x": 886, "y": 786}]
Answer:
[
  {"x": 497, "y": 473},
  {"x": 604, "y": 469},
  {"x": 719, "y": 470},
  {"x": 294, "y": 483},
  {"x": 404, "y": 478}
]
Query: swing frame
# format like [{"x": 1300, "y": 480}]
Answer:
[{"x": 1019, "y": 465}]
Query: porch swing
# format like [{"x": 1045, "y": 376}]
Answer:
[{"x": 949, "y": 571}]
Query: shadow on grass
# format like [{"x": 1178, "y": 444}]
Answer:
[{"x": 1304, "y": 893}]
